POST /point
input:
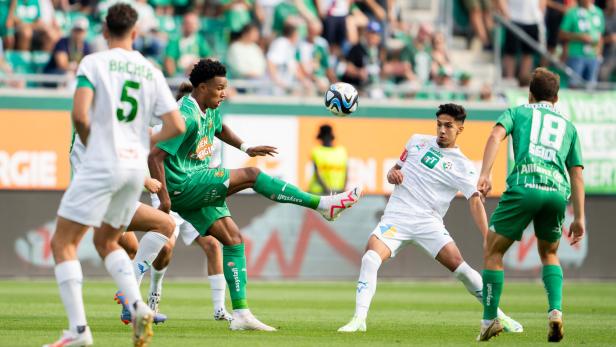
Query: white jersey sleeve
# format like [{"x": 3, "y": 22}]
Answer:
[
  {"x": 165, "y": 102},
  {"x": 87, "y": 68},
  {"x": 465, "y": 178}
]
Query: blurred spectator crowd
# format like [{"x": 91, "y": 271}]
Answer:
[
  {"x": 299, "y": 47},
  {"x": 580, "y": 33},
  {"x": 293, "y": 46}
]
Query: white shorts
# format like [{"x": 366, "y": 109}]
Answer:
[
  {"x": 182, "y": 227},
  {"x": 429, "y": 235},
  {"x": 102, "y": 195}
]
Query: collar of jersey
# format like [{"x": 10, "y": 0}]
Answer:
[{"x": 196, "y": 104}]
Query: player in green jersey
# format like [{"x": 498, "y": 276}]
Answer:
[
  {"x": 192, "y": 188},
  {"x": 547, "y": 172}
]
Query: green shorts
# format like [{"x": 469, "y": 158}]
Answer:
[
  {"x": 202, "y": 189},
  {"x": 483, "y": 5},
  {"x": 203, "y": 218},
  {"x": 519, "y": 206}
]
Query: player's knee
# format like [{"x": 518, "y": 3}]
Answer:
[
  {"x": 167, "y": 226},
  {"x": 209, "y": 244},
  {"x": 104, "y": 246},
  {"x": 252, "y": 173}
]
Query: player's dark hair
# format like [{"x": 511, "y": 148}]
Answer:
[
  {"x": 184, "y": 89},
  {"x": 544, "y": 85},
  {"x": 121, "y": 18},
  {"x": 454, "y": 110},
  {"x": 289, "y": 28},
  {"x": 205, "y": 70}
]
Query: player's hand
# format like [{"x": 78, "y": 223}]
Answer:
[
  {"x": 576, "y": 231},
  {"x": 152, "y": 185},
  {"x": 484, "y": 185},
  {"x": 261, "y": 151},
  {"x": 586, "y": 38},
  {"x": 395, "y": 176}
]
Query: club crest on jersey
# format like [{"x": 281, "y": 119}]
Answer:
[
  {"x": 204, "y": 149},
  {"x": 447, "y": 165}
]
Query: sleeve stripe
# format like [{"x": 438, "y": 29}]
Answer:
[{"x": 84, "y": 82}]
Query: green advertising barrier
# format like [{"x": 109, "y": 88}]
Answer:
[{"x": 594, "y": 116}]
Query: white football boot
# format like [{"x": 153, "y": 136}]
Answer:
[
  {"x": 244, "y": 320},
  {"x": 143, "y": 317},
  {"x": 335, "y": 204},
  {"x": 356, "y": 324},
  {"x": 73, "y": 339},
  {"x": 222, "y": 314}
]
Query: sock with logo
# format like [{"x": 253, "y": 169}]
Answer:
[
  {"x": 156, "y": 280},
  {"x": 120, "y": 268},
  {"x": 234, "y": 268},
  {"x": 492, "y": 289},
  {"x": 553, "y": 282},
  {"x": 366, "y": 284},
  {"x": 281, "y": 191},
  {"x": 149, "y": 247},
  {"x": 473, "y": 282}
]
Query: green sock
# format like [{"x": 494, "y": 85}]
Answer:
[
  {"x": 281, "y": 191},
  {"x": 492, "y": 289},
  {"x": 234, "y": 268},
  {"x": 553, "y": 282}
]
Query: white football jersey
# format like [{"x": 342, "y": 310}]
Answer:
[
  {"x": 432, "y": 177},
  {"x": 128, "y": 92}
]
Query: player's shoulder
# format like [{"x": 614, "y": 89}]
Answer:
[{"x": 421, "y": 139}]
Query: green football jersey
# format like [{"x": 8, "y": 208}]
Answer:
[
  {"x": 192, "y": 151},
  {"x": 545, "y": 145}
]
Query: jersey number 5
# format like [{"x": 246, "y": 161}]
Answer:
[
  {"x": 550, "y": 132},
  {"x": 134, "y": 105}
]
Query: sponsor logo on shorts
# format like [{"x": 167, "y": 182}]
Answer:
[
  {"x": 388, "y": 230},
  {"x": 219, "y": 173}
]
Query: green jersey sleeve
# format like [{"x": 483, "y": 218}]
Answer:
[
  {"x": 173, "y": 49},
  {"x": 506, "y": 120},
  {"x": 574, "y": 157},
  {"x": 172, "y": 145}
]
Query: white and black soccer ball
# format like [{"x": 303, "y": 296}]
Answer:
[{"x": 341, "y": 99}]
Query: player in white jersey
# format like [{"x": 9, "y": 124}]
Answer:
[
  {"x": 118, "y": 91},
  {"x": 430, "y": 172}
]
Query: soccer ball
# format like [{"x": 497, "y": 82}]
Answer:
[{"x": 341, "y": 99}]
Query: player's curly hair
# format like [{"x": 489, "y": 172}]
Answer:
[
  {"x": 454, "y": 110},
  {"x": 121, "y": 18},
  {"x": 205, "y": 70},
  {"x": 544, "y": 85}
]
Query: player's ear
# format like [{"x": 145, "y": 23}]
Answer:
[
  {"x": 531, "y": 98},
  {"x": 460, "y": 129},
  {"x": 133, "y": 33},
  {"x": 105, "y": 32}
]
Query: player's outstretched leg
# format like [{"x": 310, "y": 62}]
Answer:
[
  {"x": 218, "y": 284},
  {"x": 70, "y": 277},
  {"x": 234, "y": 269},
  {"x": 280, "y": 191},
  {"x": 450, "y": 257},
  {"x": 366, "y": 284}
]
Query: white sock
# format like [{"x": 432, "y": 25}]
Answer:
[
  {"x": 218, "y": 284},
  {"x": 149, "y": 247},
  {"x": 70, "y": 278},
  {"x": 366, "y": 285},
  {"x": 120, "y": 267},
  {"x": 156, "y": 280},
  {"x": 473, "y": 282}
]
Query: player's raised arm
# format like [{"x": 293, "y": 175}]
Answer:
[
  {"x": 156, "y": 165},
  {"x": 82, "y": 101},
  {"x": 484, "y": 185},
  {"x": 227, "y": 136}
]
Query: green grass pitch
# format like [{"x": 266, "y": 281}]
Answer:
[{"x": 308, "y": 314}]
